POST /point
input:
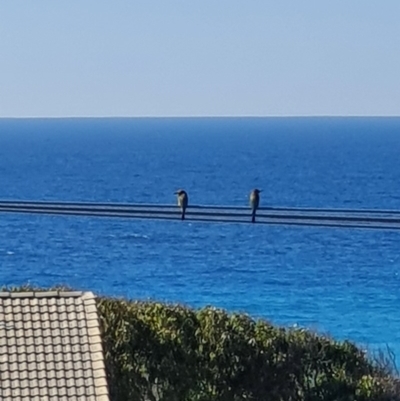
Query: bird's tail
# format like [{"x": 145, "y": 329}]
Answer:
[
  {"x": 183, "y": 214},
  {"x": 253, "y": 216}
]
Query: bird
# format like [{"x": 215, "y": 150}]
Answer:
[
  {"x": 183, "y": 201},
  {"x": 254, "y": 203}
]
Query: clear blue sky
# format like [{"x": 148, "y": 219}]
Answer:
[{"x": 199, "y": 58}]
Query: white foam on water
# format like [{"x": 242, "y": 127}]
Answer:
[{"x": 135, "y": 235}]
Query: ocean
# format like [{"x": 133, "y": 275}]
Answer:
[{"x": 339, "y": 281}]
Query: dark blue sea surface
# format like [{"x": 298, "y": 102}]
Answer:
[{"x": 337, "y": 280}]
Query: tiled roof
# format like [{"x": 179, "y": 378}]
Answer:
[{"x": 50, "y": 347}]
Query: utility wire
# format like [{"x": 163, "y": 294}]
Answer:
[{"x": 345, "y": 218}]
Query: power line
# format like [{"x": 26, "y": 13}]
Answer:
[{"x": 345, "y": 218}]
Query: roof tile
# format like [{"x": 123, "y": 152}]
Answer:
[{"x": 44, "y": 347}]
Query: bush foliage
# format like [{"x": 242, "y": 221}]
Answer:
[{"x": 155, "y": 351}]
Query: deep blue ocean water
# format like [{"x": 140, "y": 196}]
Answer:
[{"x": 341, "y": 281}]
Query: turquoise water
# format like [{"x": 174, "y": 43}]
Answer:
[{"x": 341, "y": 281}]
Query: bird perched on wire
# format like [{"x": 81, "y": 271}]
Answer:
[
  {"x": 183, "y": 201},
  {"x": 254, "y": 203}
]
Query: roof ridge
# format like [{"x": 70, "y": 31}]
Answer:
[{"x": 45, "y": 294}]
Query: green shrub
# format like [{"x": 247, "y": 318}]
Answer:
[{"x": 155, "y": 351}]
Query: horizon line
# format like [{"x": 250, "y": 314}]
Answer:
[{"x": 198, "y": 116}]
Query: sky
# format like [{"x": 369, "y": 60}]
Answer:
[{"x": 96, "y": 58}]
